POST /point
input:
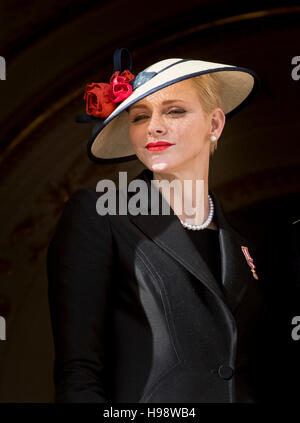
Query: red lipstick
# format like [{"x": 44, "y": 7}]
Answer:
[{"x": 157, "y": 146}]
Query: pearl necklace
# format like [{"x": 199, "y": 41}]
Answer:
[{"x": 206, "y": 223}]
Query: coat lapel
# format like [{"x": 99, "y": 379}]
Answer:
[
  {"x": 168, "y": 233},
  {"x": 236, "y": 273}
]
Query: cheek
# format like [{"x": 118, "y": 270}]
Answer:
[
  {"x": 189, "y": 132},
  {"x": 136, "y": 136}
]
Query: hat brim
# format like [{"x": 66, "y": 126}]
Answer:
[{"x": 111, "y": 142}]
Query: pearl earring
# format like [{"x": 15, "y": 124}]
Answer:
[{"x": 213, "y": 138}]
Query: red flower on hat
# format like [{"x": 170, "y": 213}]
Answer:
[
  {"x": 120, "y": 85},
  {"x": 98, "y": 99},
  {"x": 101, "y": 98}
]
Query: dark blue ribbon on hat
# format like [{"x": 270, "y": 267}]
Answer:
[
  {"x": 141, "y": 78},
  {"x": 144, "y": 76},
  {"x": 124, "y": 54},
  {"x": 119, "y": 54}
]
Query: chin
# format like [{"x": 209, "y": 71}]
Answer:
[{"x": 160, "y": 165}]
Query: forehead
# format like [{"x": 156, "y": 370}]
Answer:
[{"x": 183, "y": 91}]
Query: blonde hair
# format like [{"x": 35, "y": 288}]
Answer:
[{"x": 209, "y": 92}]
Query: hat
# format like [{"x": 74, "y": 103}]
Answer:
[{"x": 110, "y": 140}]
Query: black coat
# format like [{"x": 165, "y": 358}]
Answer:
[{"x": 137, "y": 316}]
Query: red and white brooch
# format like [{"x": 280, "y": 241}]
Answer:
[{"x": 249, "y": 261}]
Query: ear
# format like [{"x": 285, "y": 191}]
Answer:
[{"x": 217, "y": 122}]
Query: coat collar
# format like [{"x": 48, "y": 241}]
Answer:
[{"x": 168, "y": 233}]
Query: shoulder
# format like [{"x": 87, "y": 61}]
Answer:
[
  {"x": 82, "y": 206},
  {"x": 79, "y": 220},
  {"x": 82, "y": 198}
]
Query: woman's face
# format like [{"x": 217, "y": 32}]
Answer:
[{"x": 173, "y": 114}]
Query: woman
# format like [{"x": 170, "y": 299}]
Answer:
[{"x": 157, "y": 307}]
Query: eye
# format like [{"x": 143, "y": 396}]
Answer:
[
  {"x": 139, "y": 117},
  {"x": 174, "y": 111},
  {"x": 177, "y": 111}
]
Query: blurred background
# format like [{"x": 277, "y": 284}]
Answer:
[{"x": 52, "y": 50}]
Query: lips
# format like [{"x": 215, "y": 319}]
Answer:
[{"x": 159, "y": 145}]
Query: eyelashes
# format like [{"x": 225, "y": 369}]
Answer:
[{"x": 175, "y": 111}]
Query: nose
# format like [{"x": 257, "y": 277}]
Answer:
[{"x": 156, "y": 125}]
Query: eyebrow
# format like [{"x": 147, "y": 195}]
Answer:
[{"x": 140, "y": 106}]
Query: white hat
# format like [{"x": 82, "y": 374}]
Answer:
[{"x": 110, "y": 140}]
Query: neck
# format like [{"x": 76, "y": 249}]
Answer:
[{"x": 187, "y": 197}]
